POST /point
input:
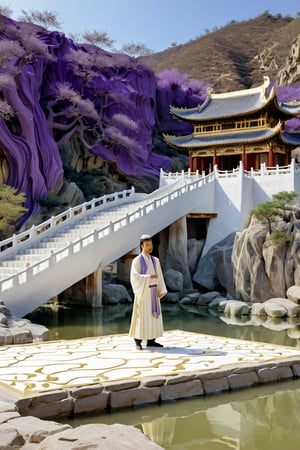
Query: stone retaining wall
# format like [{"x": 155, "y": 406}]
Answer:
[{"x": 126, "y": 394}]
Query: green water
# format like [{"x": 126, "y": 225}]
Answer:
[{"x": 260, "y": 418}]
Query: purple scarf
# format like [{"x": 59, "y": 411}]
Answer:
[{"x": 153, "y": 287}]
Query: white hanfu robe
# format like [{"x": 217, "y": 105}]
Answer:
[{"x": 143, "y": 323}]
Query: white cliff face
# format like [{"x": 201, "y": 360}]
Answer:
[
  {"x": 290, "y": 73},
  {"x": 262, "y": 270}
]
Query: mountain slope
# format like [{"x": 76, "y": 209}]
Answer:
[{"x": 236, "y": 56}]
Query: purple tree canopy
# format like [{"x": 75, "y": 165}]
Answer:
[{"x": 54, "y": 92}]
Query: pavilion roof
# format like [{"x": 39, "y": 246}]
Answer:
[
  {"x": 224, "y": 138},
  {"x": 236, "y": 103},
  {"x": 291, "y": 137}
]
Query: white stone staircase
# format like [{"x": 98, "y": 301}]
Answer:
[
  {"x": 39, "y": 263},
  {"x": 42, "y": 262}
]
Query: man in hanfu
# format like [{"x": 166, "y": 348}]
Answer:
[{"x": 149, "y": 287}]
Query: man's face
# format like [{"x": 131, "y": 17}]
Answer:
[{"x": 147, "y": 246}]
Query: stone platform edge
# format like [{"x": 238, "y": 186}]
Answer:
[{"x": 124, "y": 394}]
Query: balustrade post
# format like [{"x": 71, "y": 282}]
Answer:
[
  {"x": 293, "y": 166},
  {"x": 216, "y": 171},
  {"x": 262, "y": 168},
  {"x": 14, "y": 240},
  {"x": 32, "y": 232}
]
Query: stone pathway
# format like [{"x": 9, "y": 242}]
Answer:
[{"x": 85, "y": 368}]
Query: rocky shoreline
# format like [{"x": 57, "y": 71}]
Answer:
[{"x": 30, "y": 433}]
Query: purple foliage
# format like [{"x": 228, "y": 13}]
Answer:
[
  {"x": 52, "y": 91},
  {"x": 290, "y": 93},
  {"x": 175, "y": 89}
]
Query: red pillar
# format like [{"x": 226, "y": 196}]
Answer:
[
  {"x": 244, "y": 157},
  {"x": 215, "y": 158},
  {"x": 191, "y": 162},
  {"x": 271, "y": 157}
]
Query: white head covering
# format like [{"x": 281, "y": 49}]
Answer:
[{"x": 145, "y": 236}]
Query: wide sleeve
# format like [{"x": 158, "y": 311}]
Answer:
[
  {"x": 139, "y": 282},
  {"x": 161, "y": 287}
]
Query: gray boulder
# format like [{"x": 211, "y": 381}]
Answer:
[
  {"x": 281, "y": 307},
  {"x": 112, "y": 294},
  {"x": 194, "y": 249},
  {"x": 174, "y": 280},
  {"x": 293, "y": 294},
  {"x": 215, "y": 268},
  {"x": 236, "y": 308},
  {"x": 250, "y": 278},
  {"x": 99, "y": 436},
  {"x": 19, "y": 331},
  {"x": 176, "y": 255}
]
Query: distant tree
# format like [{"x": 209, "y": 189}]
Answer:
[
  {"x": 266, "y": 212},
  {"x": 174, "y": 44},
  {"x": 269, "y": 212},
  {"x": 76, "y": 37},
  {"x": 46, "y": 18},
  {"x": 11, "y": 206},
  {"x": 284, "y": 200},
  {"x": 5, "y": 10},
  {"x": 136, "y": 50},
  {"x": 99, "y": 38},
  {"x": 81, "y": 109},
  {"x": 280, "y": 238}
]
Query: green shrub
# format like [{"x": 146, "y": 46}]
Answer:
[{"x": 280, "y": 238}]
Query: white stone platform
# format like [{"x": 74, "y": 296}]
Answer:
[{"x": 67, "y": 377}]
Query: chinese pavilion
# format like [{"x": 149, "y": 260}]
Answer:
[{"x": 246, "y": 125}]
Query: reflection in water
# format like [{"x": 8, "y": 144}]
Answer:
[
  {"x": 76, "y": 322},
  {"x": 266, "y": 422},
  {"x": 161, "y": 430},
  {"x": 259, "y": 418},
  {"x": 255, "y": 419}
]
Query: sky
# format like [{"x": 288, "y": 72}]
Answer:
[{"x": 158, "y": 24}]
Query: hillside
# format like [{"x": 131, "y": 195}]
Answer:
[{"x": 236, "y": 56}]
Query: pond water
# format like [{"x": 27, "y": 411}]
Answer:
[{"x": 260, "y": 418}]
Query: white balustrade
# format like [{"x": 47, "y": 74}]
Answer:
[{"x": 152, "y": 202}]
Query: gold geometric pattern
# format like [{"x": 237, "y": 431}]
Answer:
[{"x": 31, "y": 369}]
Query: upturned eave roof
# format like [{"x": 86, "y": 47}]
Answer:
[
  {"x": 234, "y": 104},
  {"x": 221, "y": 139},
  {"x": 290, "y": 108},
  {"x": 291, "y": 137}
]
